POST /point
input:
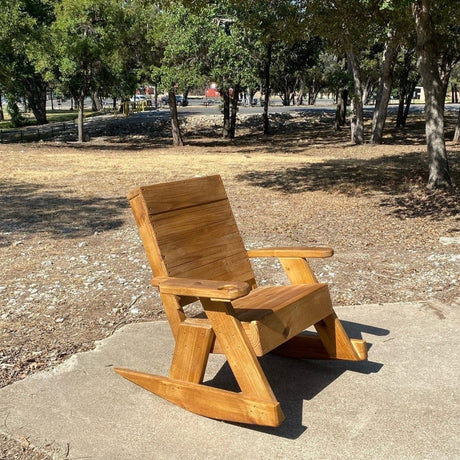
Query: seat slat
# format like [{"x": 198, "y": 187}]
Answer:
[
  {"x": 268, "y": 325},
  {"x": 265, "y": 300}
]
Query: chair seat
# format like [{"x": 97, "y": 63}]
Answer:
[{"x": 273, "y": 315}]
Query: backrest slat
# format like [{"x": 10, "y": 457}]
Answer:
[
  {"x": 189, "y": 230},
  {"x": 181, "y": 194}
]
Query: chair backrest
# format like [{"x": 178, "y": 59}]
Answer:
[{"x": 189, "y": 230}]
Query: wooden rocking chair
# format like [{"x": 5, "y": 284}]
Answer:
[{"x": 196, "y": 252}]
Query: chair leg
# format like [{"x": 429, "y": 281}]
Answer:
[
  {"x": 336, "y": 340},
  {"x": 193, "y": 345},
  {"x": 333, "y": 342},
  {"x": 238, "y": 350},
  {"x": 256, "y": 404}
]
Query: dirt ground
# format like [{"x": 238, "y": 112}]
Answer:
[{"x": 73, "y": 269}]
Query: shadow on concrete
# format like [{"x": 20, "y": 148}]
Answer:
[
  {"x": 30, "y": 209},
  {"x": 294, "y": 380}
]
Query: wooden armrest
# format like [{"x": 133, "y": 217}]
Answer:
[
  {"x": 222, "y": 290},
  {"x": 302, "y": 252}
]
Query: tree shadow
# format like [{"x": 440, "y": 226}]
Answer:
[
  {"x": 400, "y": 179},
  {"x": 32, "y": 209}
]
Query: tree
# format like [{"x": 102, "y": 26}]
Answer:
[
  {"x": 395, "y": 33},
  {"x": 24, "y": 38},
  {"x": 428, "y": 53},
  {"x": 86, "y": 42},
  {"x": 296, "y": 66},
  {"x": 349, "y": 28},
  {"x": 385, "y": 85},
  {"x": 183, "y": 36},
  {"x": 271, "y": 21},
  {"x": 408, "y": 78},
  {"x": 231, "y": 62}
]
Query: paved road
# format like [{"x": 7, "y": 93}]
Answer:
[{"x": 197, "y": 107}]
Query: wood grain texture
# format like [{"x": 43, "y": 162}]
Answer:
[
  {"x": 209, "y": 401},
  {"x": 298, "y": 271},
  {"x": 238, "y": 350},
  {"x": 193, "y": 344},
  {"x": 188, "y": 230},
  {"x": 337, "y": 342},
  {"x": 186, "y": 193},
  {"x": 271, "y": 316},
  {"x": 225, "y": 290},
  {"x": 296, "y": 251}
]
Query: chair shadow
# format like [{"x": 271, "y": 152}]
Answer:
[{"x": 297, "y": 380}]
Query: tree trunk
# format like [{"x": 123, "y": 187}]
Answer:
[
  {"x": 2, "y": 115},
  {"x": 81, "y": 108},
  {"x": 454, "y": 89},
  {"x": 357, "y": 121},
  {"x": 301, "y": 92},
  {"x": 185, "y": 97},
  {"x": 286, "y": 97},
  {"x": 456, "y": 138},
  {"x": 408, "y": 99},
  {"x": 406, "y": 89},
  {"x": 267, "y": 87},
  {"x": 15, "y": 114},
  {"x": 313, "y": 92},
  {"x": 251, "y": 93},
  {"x": 175, "y": 128},
  {"x": 384, "y": 89},
  {"x": 341, "y": 110},
  {"x": 226, "y": 113},
  {"x": 36, "y": 97},
  {"x": 97, "y": 102},
  {"x": 439, "y": 175},
  {"x": 234, "y": 110},
  {"x": 400, "y": 122},
  {"x": 367, "y": 90}
]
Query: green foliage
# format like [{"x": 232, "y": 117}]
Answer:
[
  {"x": 24, "y": 35},
  {"x": 85, "y": 42},
  {"x": 295, "y": 63},
  {"x": 181, "y": 38},
  {"x": 231, "y": 58},
  {"x": 13, "y": 111}
]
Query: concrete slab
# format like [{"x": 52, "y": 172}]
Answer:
[{"x": 402, "y": 403}]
